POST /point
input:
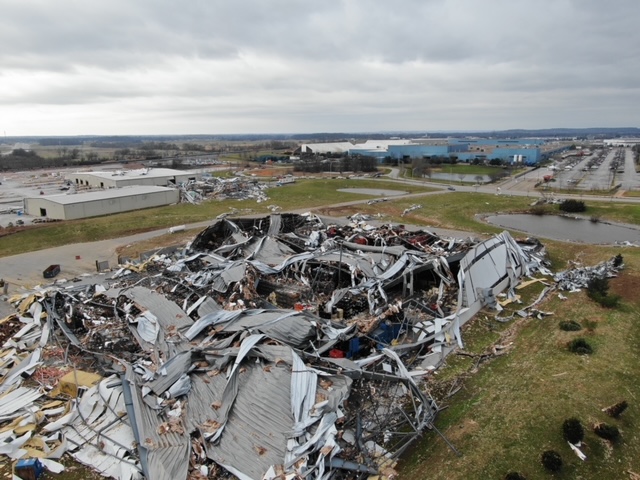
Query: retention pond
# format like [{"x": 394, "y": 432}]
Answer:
[{"x": 570, "y": 229}]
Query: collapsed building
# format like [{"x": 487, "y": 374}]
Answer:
[
  {"x": 236, "y": 188},
  {"x": 279, "y": 346}
]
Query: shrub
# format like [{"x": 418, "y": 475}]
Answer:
[
  {"x": 551, "y": 460},
  {"x": 598, "y": 286},
  {"x": 608, "y": 432},
  {"x": 618, "y": 260},
  {"x": 572, "y": 430},
  {"x": 572, "y": 206},
  {"x": 580, "y": 346},
  {"x": 616, "y": 410},
  {"x": 570, "y": 326},
  {"x": 598, "y": 291},
  {"x": 538, "y": 210},
  {"x": 610, "y": 301},
  {"x": 514, "y": 476}
]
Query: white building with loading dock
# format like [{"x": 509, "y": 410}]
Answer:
[{"x": 99, "y": 203}]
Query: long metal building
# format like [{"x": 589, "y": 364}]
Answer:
[
  {"x": 98, "y": 203},
  {"x": 162, "y": 177}
]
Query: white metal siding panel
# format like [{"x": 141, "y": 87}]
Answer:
[
  {"x": 122, "y": 204},
  {"x": 54, "y": 210}
]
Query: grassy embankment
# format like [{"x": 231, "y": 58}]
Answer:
[{"x": 512, "y": 409}]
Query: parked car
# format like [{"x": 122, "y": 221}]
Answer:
[{"x": 451, "y": 188}]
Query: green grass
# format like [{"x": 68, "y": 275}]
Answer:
[
  {"x": 469, "y": 169},
  {"x": 460, "y": 210},
  {"x": 576, "y": 191},
  {"x": 454, "y": 210},
  {"x": 513, "y": 408},
  {"x": 614, "y": 212}
]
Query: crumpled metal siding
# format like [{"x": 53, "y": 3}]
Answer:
[{"x": 167, "y": 455}]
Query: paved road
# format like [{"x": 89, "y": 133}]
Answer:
[{"x": 25, "y": 270}]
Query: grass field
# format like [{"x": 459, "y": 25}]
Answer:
[
  {"x": 459, "y": 210},
  {"x": 512, "y": 409}
]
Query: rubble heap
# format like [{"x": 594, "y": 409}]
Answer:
[
  {"x": 274, "y": 346},
  {"x": 579, "y": 276},
  {"x": 238, "y": 188}
]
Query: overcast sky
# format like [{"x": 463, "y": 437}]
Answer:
[{"x": 279, "y": 66}]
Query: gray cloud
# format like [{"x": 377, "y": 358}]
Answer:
[{"x": 72, "y": 67}]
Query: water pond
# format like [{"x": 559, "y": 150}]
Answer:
[{"x": 571, "y": 229}]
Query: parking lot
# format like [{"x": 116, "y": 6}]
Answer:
[
  {"x": 601, "y": 170},
  {"x": 18, "y": 185},
  {"x": 598, "y": 171}
]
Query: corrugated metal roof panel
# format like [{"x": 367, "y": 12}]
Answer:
[
  {"x": 101, "y": 437},
  {"x": 167, "y": 454},
  {"x": 170, "y": 372},
  {"x": 16, "y": 400},
  {"x": 255, "y": 436},
  {"x": 167, "y": 312}
]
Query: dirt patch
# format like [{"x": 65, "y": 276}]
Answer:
[
  {"x": 336, "y": 211},
  {"x": 376, "y": 192},
  {"x": 627, "y": 286},
  {"x": 169, "y": 240},
  {"x": 4, "y": 231},
  {"x": 463, "y": 429},
  {"x": 268, "y": 172}
]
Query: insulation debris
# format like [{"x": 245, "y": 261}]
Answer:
[{"x": 281, "y": 346}]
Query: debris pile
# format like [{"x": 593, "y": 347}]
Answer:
[
  {"x": 239, "y": 188},
  {"x": 579, "y": 276},
  {"x": 269, "y": 347},
  {"x": 410, "y": 209}
]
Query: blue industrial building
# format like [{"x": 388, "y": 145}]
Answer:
[
  {"x": 527, "y": 156},
  {"x": 418, "y": 151},
  {"x": 466, "y": 153},
  {"x": 494, "y": 142},
  {"x": 523, "y": 150}
]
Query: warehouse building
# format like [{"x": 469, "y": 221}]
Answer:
[
  {"x": 95, "y": 204},
  {"x": 622, "y": 142},
  {"x": 159, "y": 177},
  {"x": 524, "y": 150}
]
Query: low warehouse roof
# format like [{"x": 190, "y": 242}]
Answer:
[
  {"x": 68, "y": 199},
  {"x": 141, "y": 172}
]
